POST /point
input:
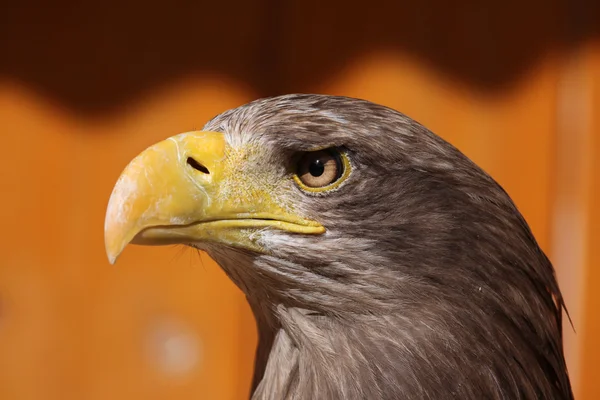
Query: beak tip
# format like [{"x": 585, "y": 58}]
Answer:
[
  {"x": 112, "y": 256},
  {"x": 113, "y": 248}
]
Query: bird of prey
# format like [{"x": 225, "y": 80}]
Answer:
[{"x": 378, "y": 260}]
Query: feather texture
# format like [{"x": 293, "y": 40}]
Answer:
[{"x": 428, "y": 283}]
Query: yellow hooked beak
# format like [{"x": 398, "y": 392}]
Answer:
[{"x": 180, "y": 191}]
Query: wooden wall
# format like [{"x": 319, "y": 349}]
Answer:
[{"x": 85, "y": 86}]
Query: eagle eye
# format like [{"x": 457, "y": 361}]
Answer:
[{"x": 320, "y": 170}]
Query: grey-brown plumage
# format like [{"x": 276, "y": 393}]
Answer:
[{"x": 427, "y": 285}]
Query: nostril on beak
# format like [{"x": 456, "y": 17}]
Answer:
[{"x": 197, "y": 166}]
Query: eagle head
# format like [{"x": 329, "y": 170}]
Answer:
[{"x": 379, "y": 261}]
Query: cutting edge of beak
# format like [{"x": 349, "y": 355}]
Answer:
[{"x": 162, "y": 197}]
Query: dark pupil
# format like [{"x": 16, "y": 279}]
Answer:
[{"x": 316, "y": 168}]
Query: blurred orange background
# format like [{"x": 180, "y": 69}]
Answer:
[{"x": 85, "y": 86}]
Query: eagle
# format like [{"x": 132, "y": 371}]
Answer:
[{"x": 378, "y": 260}]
